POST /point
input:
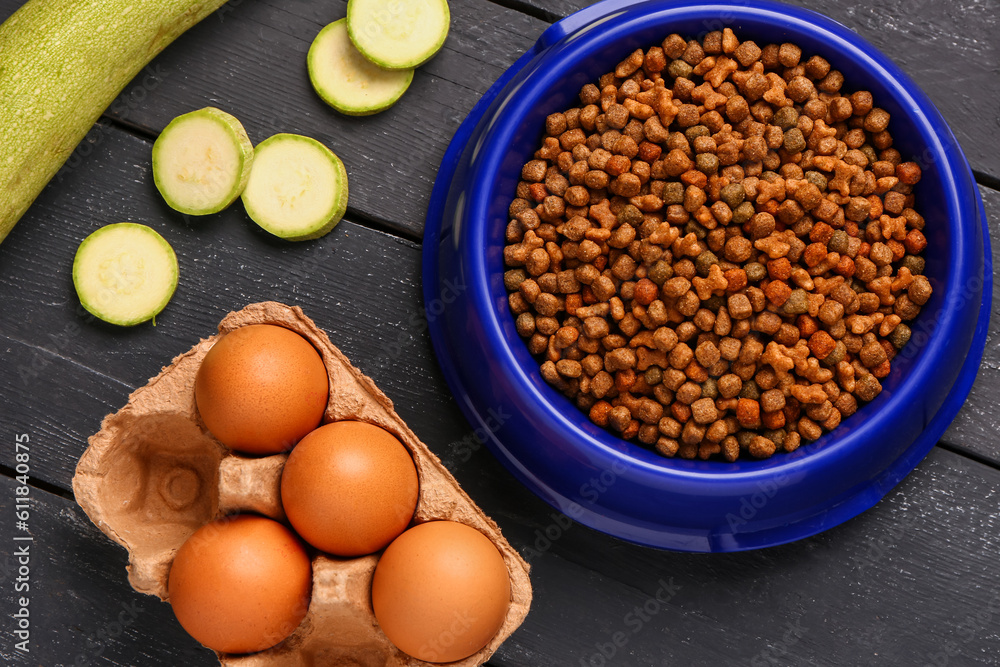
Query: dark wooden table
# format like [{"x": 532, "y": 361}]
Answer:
[{"x": 911, "y": 582}]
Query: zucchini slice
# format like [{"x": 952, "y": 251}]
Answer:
[
  {"x": 348, "y": 81},
  {"x": 398, "y": 34},
  {"x": 297, "y": 189},
  {"x": 125, "y": 273},
  {"x": 201, "y": 161}
]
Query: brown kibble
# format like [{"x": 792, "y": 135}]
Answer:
[
  {"x": 772, "y": 400},
  {"x": 703, "y": 411},
  {"x": 867, "y": 387},
  {"x": 789, "y": 54},
  {"x": 809, "y": 429},
  {"x": 707, "y": 353},
  {"x": 817, "y": 67},
  {"x": 872, "y": 355},
  {"x": 747, "y": 53},
  {"x": 861, "y": 102},
  {"x": 800, "y": 89},
  {"x": 739, "y": 307},
  {"x": 729, "y": 385},
  {"x": 920, "y": 290},
  {"x": 761, "y": 447},
  {"x": 876, "y": 120}
]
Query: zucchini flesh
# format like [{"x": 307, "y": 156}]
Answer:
[
  {"x": 398, "y": 34},
  {"x": 348, "y": 81},
  {"x": 202, "y": 161},
  {"x": 125, "y": 273},
  {"x": 62, "y": 62},
  {"x": 297, "y": 188}
]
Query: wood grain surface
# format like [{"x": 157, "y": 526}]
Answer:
[{"x": 910, "y": 582}]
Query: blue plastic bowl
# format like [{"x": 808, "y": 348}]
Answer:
[{"x": 619, "y": 487}]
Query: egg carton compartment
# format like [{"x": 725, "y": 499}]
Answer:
[{"x": 154, "y": 474}]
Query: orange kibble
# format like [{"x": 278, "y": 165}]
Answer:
[
  {"x": 897, "y": 248},
  {"x": 696, "y": 372},
  {"x": 777, "y": 292},
  {"x": 538, "y": 191},
  {"x": 845, "y": 267},
  {"x": 779, "y": 269},
  {"x": 649, "y": 152},
  {"x": 807, "y": 325},
  {"x": 814, "y": 254},
  {"x": 915, "y": 241},
  {"x": 882, "y": 369},
  {"x": 695, "y": 178},
  {"x": 773, "y": 420},
  {"x": 573, "y": 301},
  {"x": 737, "y": 279},
  {"x": 748, "y": 412},
  {"x": 646, "y": 292},
  {"x": 821, "y": 344},
  {"x": 624, "y": 380}
]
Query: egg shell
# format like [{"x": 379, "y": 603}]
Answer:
[
  {"x": 349, "y": 488},
  {"x": 261, "y": 388},
  {"x": 153, "y": 475},
  {"x": 240, "y": 584},
  {"x": 441, "y": 591}
]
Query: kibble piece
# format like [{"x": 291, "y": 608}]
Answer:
[
  {"x": 867, "y": 387},
  {"x": 739, "y": 307},
  {"x": 747, "y": 53},
  {"x": 703, "y": 411}
]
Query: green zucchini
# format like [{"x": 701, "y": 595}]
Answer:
[
  {"x": 125, "y": 273},
  {"x": 398, "y": 34},
  {"x": 202, "y": 161},
  {"x": 62, "y": 62},
  {"x": 297, "y": 188},
  {"x": 348, "y": 81}
]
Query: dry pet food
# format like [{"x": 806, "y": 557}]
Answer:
[{"x": 717, "y": 253}]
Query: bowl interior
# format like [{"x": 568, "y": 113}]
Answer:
[{"x": 918, "y": 133}]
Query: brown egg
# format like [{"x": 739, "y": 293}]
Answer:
[
  {"x": 349, "y": 488},
  {"x": 441, "y": 591},
  {"x": 240, "y": 584},
  {"x": 261, "y": 388}
]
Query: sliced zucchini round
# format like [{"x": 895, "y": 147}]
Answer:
[
  {"x": 125, "y": 273},
  {"x": 201, "y": 161},
  {"x": 348, "y": 81},
  {"x": 297, "y": 189},
  {"x": 398, "y": 34}
]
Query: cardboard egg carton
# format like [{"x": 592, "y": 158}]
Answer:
[{"x": 153, "y": 475}]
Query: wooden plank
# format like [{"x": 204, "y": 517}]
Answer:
[
  {"x": 63, "y": 370},
  {"x": 949, "y": 48},
  {"x": 975, "y": 428},
  {"x": 249, "y": 59},
  {"x": 910, "y": 583}
]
